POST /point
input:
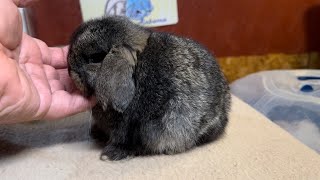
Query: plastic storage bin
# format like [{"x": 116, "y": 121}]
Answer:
[{"x": 290, "y": 98}]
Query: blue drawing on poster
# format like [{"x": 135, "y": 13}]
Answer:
[{"x": 138, "y": 9}]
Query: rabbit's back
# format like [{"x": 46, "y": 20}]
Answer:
[{"x": 181, "y": 95}]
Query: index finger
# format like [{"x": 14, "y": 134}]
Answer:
[{"x": 59, "y": 57}]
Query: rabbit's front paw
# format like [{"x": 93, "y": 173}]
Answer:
[
  {"x": 113, "y": 153},
  {"x": 98, "y": 134}
]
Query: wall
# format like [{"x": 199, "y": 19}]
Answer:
[{"x": 229, "y": 28}]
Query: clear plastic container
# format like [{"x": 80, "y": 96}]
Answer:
[{"x": 290, "y": 98}]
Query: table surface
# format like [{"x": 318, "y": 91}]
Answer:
[{"x": 252, "y": 148}]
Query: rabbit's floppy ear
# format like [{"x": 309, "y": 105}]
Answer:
[{"x": 114, "y": 83}]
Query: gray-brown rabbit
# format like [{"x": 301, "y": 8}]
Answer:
[{"x": 156, "y": 93}]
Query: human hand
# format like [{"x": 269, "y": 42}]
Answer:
[{"x": 34, "y": 81}]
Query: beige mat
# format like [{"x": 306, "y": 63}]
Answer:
[{"x": 253, "y": 148}]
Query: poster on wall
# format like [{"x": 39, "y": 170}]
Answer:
[{"x": 149, "y": 13}]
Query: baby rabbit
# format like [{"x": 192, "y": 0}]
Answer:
[{"x": 156, "y": 93}]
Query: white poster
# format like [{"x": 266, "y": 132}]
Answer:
[{"x": 150, "y": 13}]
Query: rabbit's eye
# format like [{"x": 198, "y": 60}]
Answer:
[{"x": 97, "y": 57}]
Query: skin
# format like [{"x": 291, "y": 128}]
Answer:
[{"x": 34, "y": 81}]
